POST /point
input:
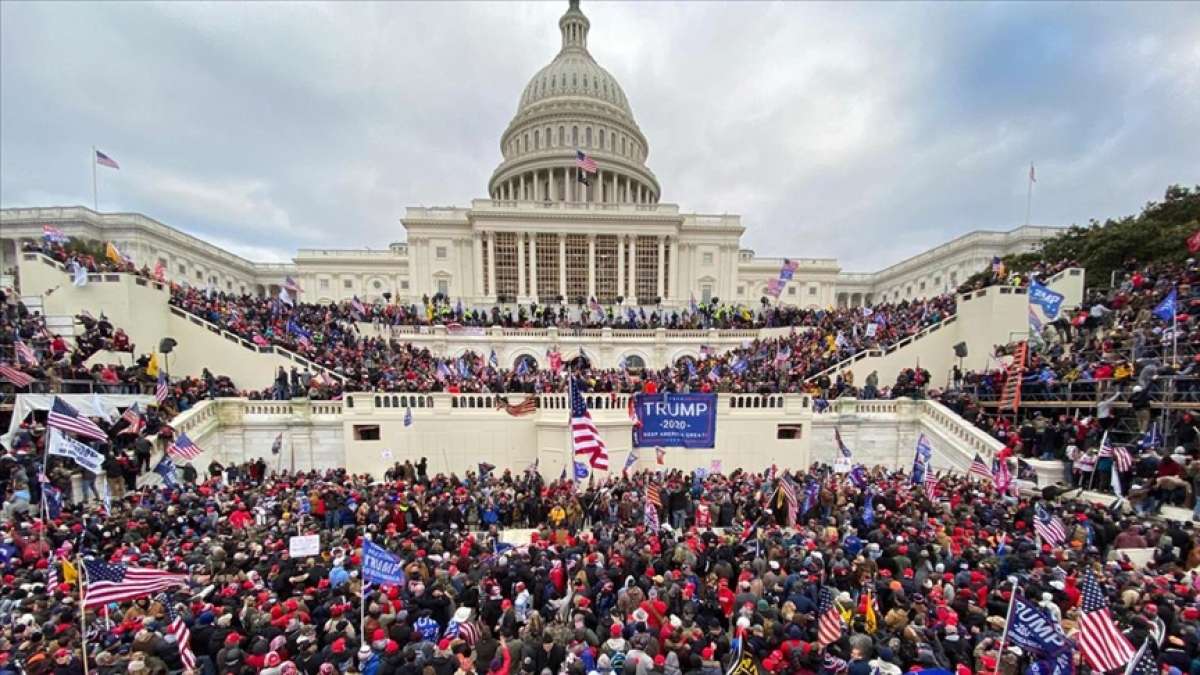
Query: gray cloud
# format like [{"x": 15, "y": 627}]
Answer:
[{"x": 865, "y": 132}]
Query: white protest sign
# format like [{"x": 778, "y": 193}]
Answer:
[
  {"x": 842, "y": 465},
  {"x": 304, "y": 546}
]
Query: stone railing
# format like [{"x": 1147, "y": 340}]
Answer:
[{"x": 885, "y": 349}]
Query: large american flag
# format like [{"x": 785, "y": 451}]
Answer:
[
  {"x": 829, "y": 626},
  {"x": 184, "y": 448},
  {"x": 584, "y": 162},
  {"x": 65, "y": 418},
  {"x": 585, "y": 438},
  {"x": 1104, "y": 646},
  {"x": 25, "y": 353},
  {"x": 653, "y": 495},
  {"x": 104, "y": 583},
  {"x": 54, "y": 235},
  {"x": 979, "y": 468},
  {"x": 183, "y": 636},
  {"x": 104, "y": 160},
  {"x": 1049, "y": 527},
  {"x": 15, "y": 376}
]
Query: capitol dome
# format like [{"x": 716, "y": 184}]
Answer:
[{"x": 570, "y": 106}]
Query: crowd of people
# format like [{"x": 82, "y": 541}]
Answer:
[{"x": 717, "y": 577}]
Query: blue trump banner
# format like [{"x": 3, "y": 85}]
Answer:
[
  {"x": 381, "y": 566},
  {"x": 1050, "y": 301},
  {"x": 1031, "y": 628},
  {"x": 676, "y": 420}
]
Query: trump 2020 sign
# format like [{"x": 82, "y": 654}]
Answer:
[{"x": 676, "y": 420}]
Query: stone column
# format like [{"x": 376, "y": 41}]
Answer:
[
  {"x": 591, "y": 265},
  {"x": 673, "y": 275},
  {"x": 491, "y": 271},
  {"x": 562, "y": 265},
  {"x": 621, "y": 265},
  {"x": 632, "y": 267},
  {"x": 520, "y": 267},
  {"x": 533, "y": 281},
  {"x": 521, "y": 189},
  {"x": 477, "y": 251},
  {"x": 659, "y": 288},
  {"x": 613, "y": 196}
]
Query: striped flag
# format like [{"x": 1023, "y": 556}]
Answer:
[
  {"x": 184, "y": 448},
  {"x": 585, "y": 437},
  {"x": 160, "y": 271},
  {"x": 24, "y": 353},
  {"x": 54, "y": 235},
  {"x": 585, "y": 163},
  {"x": 52, "y": 573},
  {"x": 1001, "y": 476},
  {"x": 15, "y": 376},
  {"x": 979, "y": 468},
  {"x": 1104, "y": 646},
  {"x": 1122, "y": 459},
  {"x": 788, "y": 489},
  {"x": 1049, "y": 527},
  {"x": 653, "y": 494},
  {"x": 104, "y": 583},
  {"x": 931, "y": 482},
  {"x": 104, "y": 160},
  {"x": 829, "y": 625},
  {"x": 183, "y": 636},
  {"x": 66, "y": 418},
  {"x": 160, "y": 389},
  {"x": 650, "y": 519},
  {"x": 134, "y": 422}
]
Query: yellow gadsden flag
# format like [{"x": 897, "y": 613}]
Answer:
[
  {"x": 69, "y": 573},
  {"x": 113, "y": 254},
  {"x": 152, "y": 366}
]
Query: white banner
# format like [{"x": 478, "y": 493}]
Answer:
[
  {"x": 842, "y": 465},
  {"x": 304, "y": 546},
  {"x": 83, "y": 455}
]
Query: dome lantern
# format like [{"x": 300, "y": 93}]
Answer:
[{"x": 574, "y": 26}]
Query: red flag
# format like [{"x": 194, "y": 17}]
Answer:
[{"x": 1193, "y": 242}]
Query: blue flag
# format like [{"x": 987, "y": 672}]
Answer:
[
  {"x": 1166, "y": 309},
  {"x": 1050, "y": 301},
  {"x": 53, "y": 497},
  {"x": 494, "y": 360},
  {"x": 921, "y": 460},
  {"x": 380, "y": 566},
  {"x": 166, "y": 469},
  {"x": 868, "y": 514},
  {"x": 581, "y": 470},
  {"x": 858, "y": 476},
  {"x": 1031, "y": 628},
  {"x": 408, "y": 417},
  {"x": 522, "y": 367}
]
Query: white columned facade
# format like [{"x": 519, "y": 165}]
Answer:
[
  {"x": 659, "y": 288},
  {"x": 632, "y": 267},
  {"x": 491, "y": 271},
  {"x": 621, "y": 264},
  {"x": 673, "y": 274},
  {"x": 477, "y": 251},
  {"x": 591, "y": 286},
  {"x": 533, "y": 282},
  {"x": 520, "y": 267},
  {"x": 562, "y": 265}
]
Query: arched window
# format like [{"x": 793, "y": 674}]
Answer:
[
  {"x": 537, "y": 140},
  {"x": 622, "y": 145},
  {"x": 601, "y": 139},
  {"x": 575, "y": 136},
  {"x": 587, "y": 137},
  {"x": 562, "y": 136},
  {"x": 549, "y": 137},
  {"x": 634, "y": 362},
  {"x": 526, "y": 148},
  {"x": 529, "y": 361}
]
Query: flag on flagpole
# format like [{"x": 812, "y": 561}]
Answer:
[
  {"x": 160, "y": 389},
  {"x": 1049, "y": 527},
  {"x": 1032, "y": 174},
  {"x": 979, "y": 468},
  {"x": 184, "y": 448},
  {"x": 18, "y": 378},
  {"x": 1103, "y": 644},
  {"x": 585, "y": 437},
  {"x": 631, "y": 459},
  {"x": 104, "y": 583},
  {"x": 183, "y": 636},
  {"x": 829, "y": 625},
  {"x": 584, "y": 162},
  {"x": 66, "y": 418},
  {"x": 104, "y": 160}
]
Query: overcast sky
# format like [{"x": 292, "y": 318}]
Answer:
[{"x": 866, "y": 132}]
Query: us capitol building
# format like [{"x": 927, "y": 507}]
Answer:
[{"x": 542, "y": 234}]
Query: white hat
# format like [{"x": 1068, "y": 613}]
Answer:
[{"x": 462, "y": 614}]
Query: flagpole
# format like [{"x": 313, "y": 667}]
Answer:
[
  {"x": 95, "y": 200},
  {"x": 1012, "y": 599},
  {"x": 80, "y": 574}
]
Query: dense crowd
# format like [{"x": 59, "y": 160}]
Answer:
[{"x": 718, "y": 574}]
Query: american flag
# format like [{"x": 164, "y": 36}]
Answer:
[
  {"x": 290, "y": 284},
  {"x": 1146, "y": 661},
  {"x": 134, "y": 422},
  {"x": 931, "y": 481},
  {"x": 650, "y": 518},
  {"x": 184, "y": 448},
  {"x": 24, "y": 353},
  {"x": 585, "y": 438},
  {"x": 1122, "y": 458},
  {"x": 653, "y": 494},
  {"x": 1001, "y": 475},
  {"x": 54, "y": 235},
  {"x": 65, "y": 418},
  {"x": 829, "y": 626},
  {"x": 15, "y": 376},
  {"x": 1049, "y": 527},
  {"x": 105, "y": 583},
  {"x": 183, "y": 636},
  {"x": 160, "y": 389},
  {"x": 52, "y": 573},
  {"x": 104, "y": 160},
  {"x": 789, "y": 497},
  {"x": 1104, "y": 646},
  {"x": 584, "y": 162},
  {"x": 160, "y": 271},
  {"x": 979, "y": 468}
]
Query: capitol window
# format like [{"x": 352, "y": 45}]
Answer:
[
  {"x": 404, "y": 285},
  {"x": 707, "y": 258},
  {"x": 323, "y": 284},
  {"x": 792, "y": 291},
  {"x": 440, "y": 251},
  {"x": 622, "y": 145},
  {"x": 347, "y": 283},
  {"x": 562, "y": 135},
  {"x": 601, "y": 139},
  {"x": 587, "y": 137},
  {"x": 741, "y": 290},
  {"x": 812, "y": 290},
  {"x": 182, "y": 268},
  {"x": 537, "y": 140}
]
